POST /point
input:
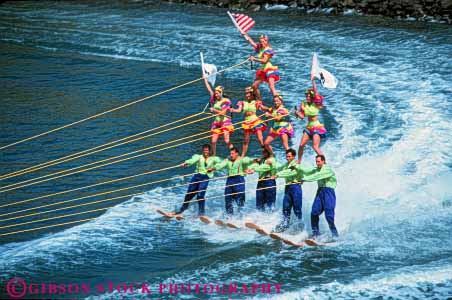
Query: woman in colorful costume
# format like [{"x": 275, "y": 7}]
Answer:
[
  {"x": 252, "y": 123},
  {"x": 314, "y": 130},
  {"x": 222, "y": 125},
  {"x": 267, "y": 72},
  {"x": 281, "y": 127}
]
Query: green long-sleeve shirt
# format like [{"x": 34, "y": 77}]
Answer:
[
  {"x": 264, "y": 169},
  {"x": 202, "y": 164},
  {"x": 325, "y": 177},
  {"x": 236, "y": 167},
  {"x": 293, "y": 172}
]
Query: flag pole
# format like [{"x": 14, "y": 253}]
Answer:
[
  {"x": 234, "y": 21},
  {"x": 203, "y": 74},
  {"x": 202, "y": 63}
]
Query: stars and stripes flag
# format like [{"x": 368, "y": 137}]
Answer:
[{"x": 242, "y": 22}]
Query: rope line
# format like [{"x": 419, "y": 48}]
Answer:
[
  {"x": 92, "y": 185},
  {"x": 108, "y": 192},
  {"x": 259, "y": 189},
  {"x": 106, "y": 159},
  {"x": 63, "y": 208},
  {"x": 62, "y": 224},
  {"x": 5, "y": 189},
  {"x": 91, "y": 203},
  {"x": 87, "y": 152},
  {"x": 101, "y": 201},
  {"x": 94, "y": 202},
  {"x": 48, "y": 226},
  {"x": 116, "y": 108},
  {"x": 56, "y": 217},
  {"x": 89, "y": 196}
]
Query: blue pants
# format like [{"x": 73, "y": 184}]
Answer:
[
  {"x": 198, "y": 189},
  {"x": 265, "y": 194},
  {"x": 238, "y": 189},
  {"x": 293, "y": 196},
  {"x": 325, "y": 201}
]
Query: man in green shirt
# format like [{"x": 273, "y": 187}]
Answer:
[
  {"x": 266, "y": 168},
  {"x": 293, "y": 193},
  {"x": 235, "y": 183},
  {"x": 325, "y": 198},
  {"x": 199, "y": 181}
]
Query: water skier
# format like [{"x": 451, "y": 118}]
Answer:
[
  {"x": 293, "y": 193},
  {"x": 266, "y": 186},
  {"x": 268, "y": 72},
  {"x": 235, "y": 183},
  {"x": 222, "y": 125},
  {"x": 200, "y": 180},
  {"x": 314, "y": 130},
  {"x": 281, "y": 127},
  {"x": 252, "y": 124},
  {"x": 325, "y": 198}
]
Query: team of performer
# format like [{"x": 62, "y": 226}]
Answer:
[{"x": 267, "y": 167}]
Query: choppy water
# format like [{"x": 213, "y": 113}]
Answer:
[{"x": 389, "y": 142}]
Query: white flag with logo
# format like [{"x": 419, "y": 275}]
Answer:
[
  {"x": 208, "y": 70},
  {"x": 326, "y": 78},
  {"x": 211, "y": 72}
]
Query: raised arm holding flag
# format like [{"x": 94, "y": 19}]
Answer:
[
  {"x": 311, "y": 108},
  {"x": 267, "y": 72},
  {"x": 220, "y": 105}
]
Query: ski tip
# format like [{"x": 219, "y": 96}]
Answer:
[
  {"x": 231, "y": 225},
  {"x": 312, "y": 242},
  {"x": 164, "y": 213},
  {"x": 220, "y": 223},
  {"x": 251, "y": 225},
  {"x": 262, "y": 231},
  {"x": 205, "y": 219},
  {"x": 276, "y": 236},
  {"x": 292, "y": 243}
]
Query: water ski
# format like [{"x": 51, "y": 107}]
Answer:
[
  {"x": 164, "y": 213},
  {"x": 252, "y": 225},
  {"x": 232, "y": 225},
  {"x": 205, "y": 219},
  {"x": 220, "y": 223},
  {"x": 262, "y": 231},
  {"x": 276, "y": 236},
  {"x": 312, "y": 242},
  {"x": 292, "y": 243}
]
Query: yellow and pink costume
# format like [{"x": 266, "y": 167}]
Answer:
[
  {"x": 252, "y": 122},
  {"x": 312, "y": 109},
  {"x": 267, "y": 70},
  {"x": 281, "y": 127},
  {"x": 222, "y": 123}
]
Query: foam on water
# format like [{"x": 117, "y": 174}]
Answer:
[{"x": 424, "y": 282}]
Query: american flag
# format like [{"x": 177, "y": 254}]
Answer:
[{"x": 243, "y": 21}]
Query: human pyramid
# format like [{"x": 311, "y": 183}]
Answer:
[{"x": 268, "y": 168}]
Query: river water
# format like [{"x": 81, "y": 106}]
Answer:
[{"x": 389, "y": 142}]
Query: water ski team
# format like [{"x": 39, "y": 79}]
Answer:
[{"x": 238, "y": 165}]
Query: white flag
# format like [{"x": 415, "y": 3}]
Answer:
[
  {"x": 209, "y": 70},
  {"x": 326, "y": 78}
]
